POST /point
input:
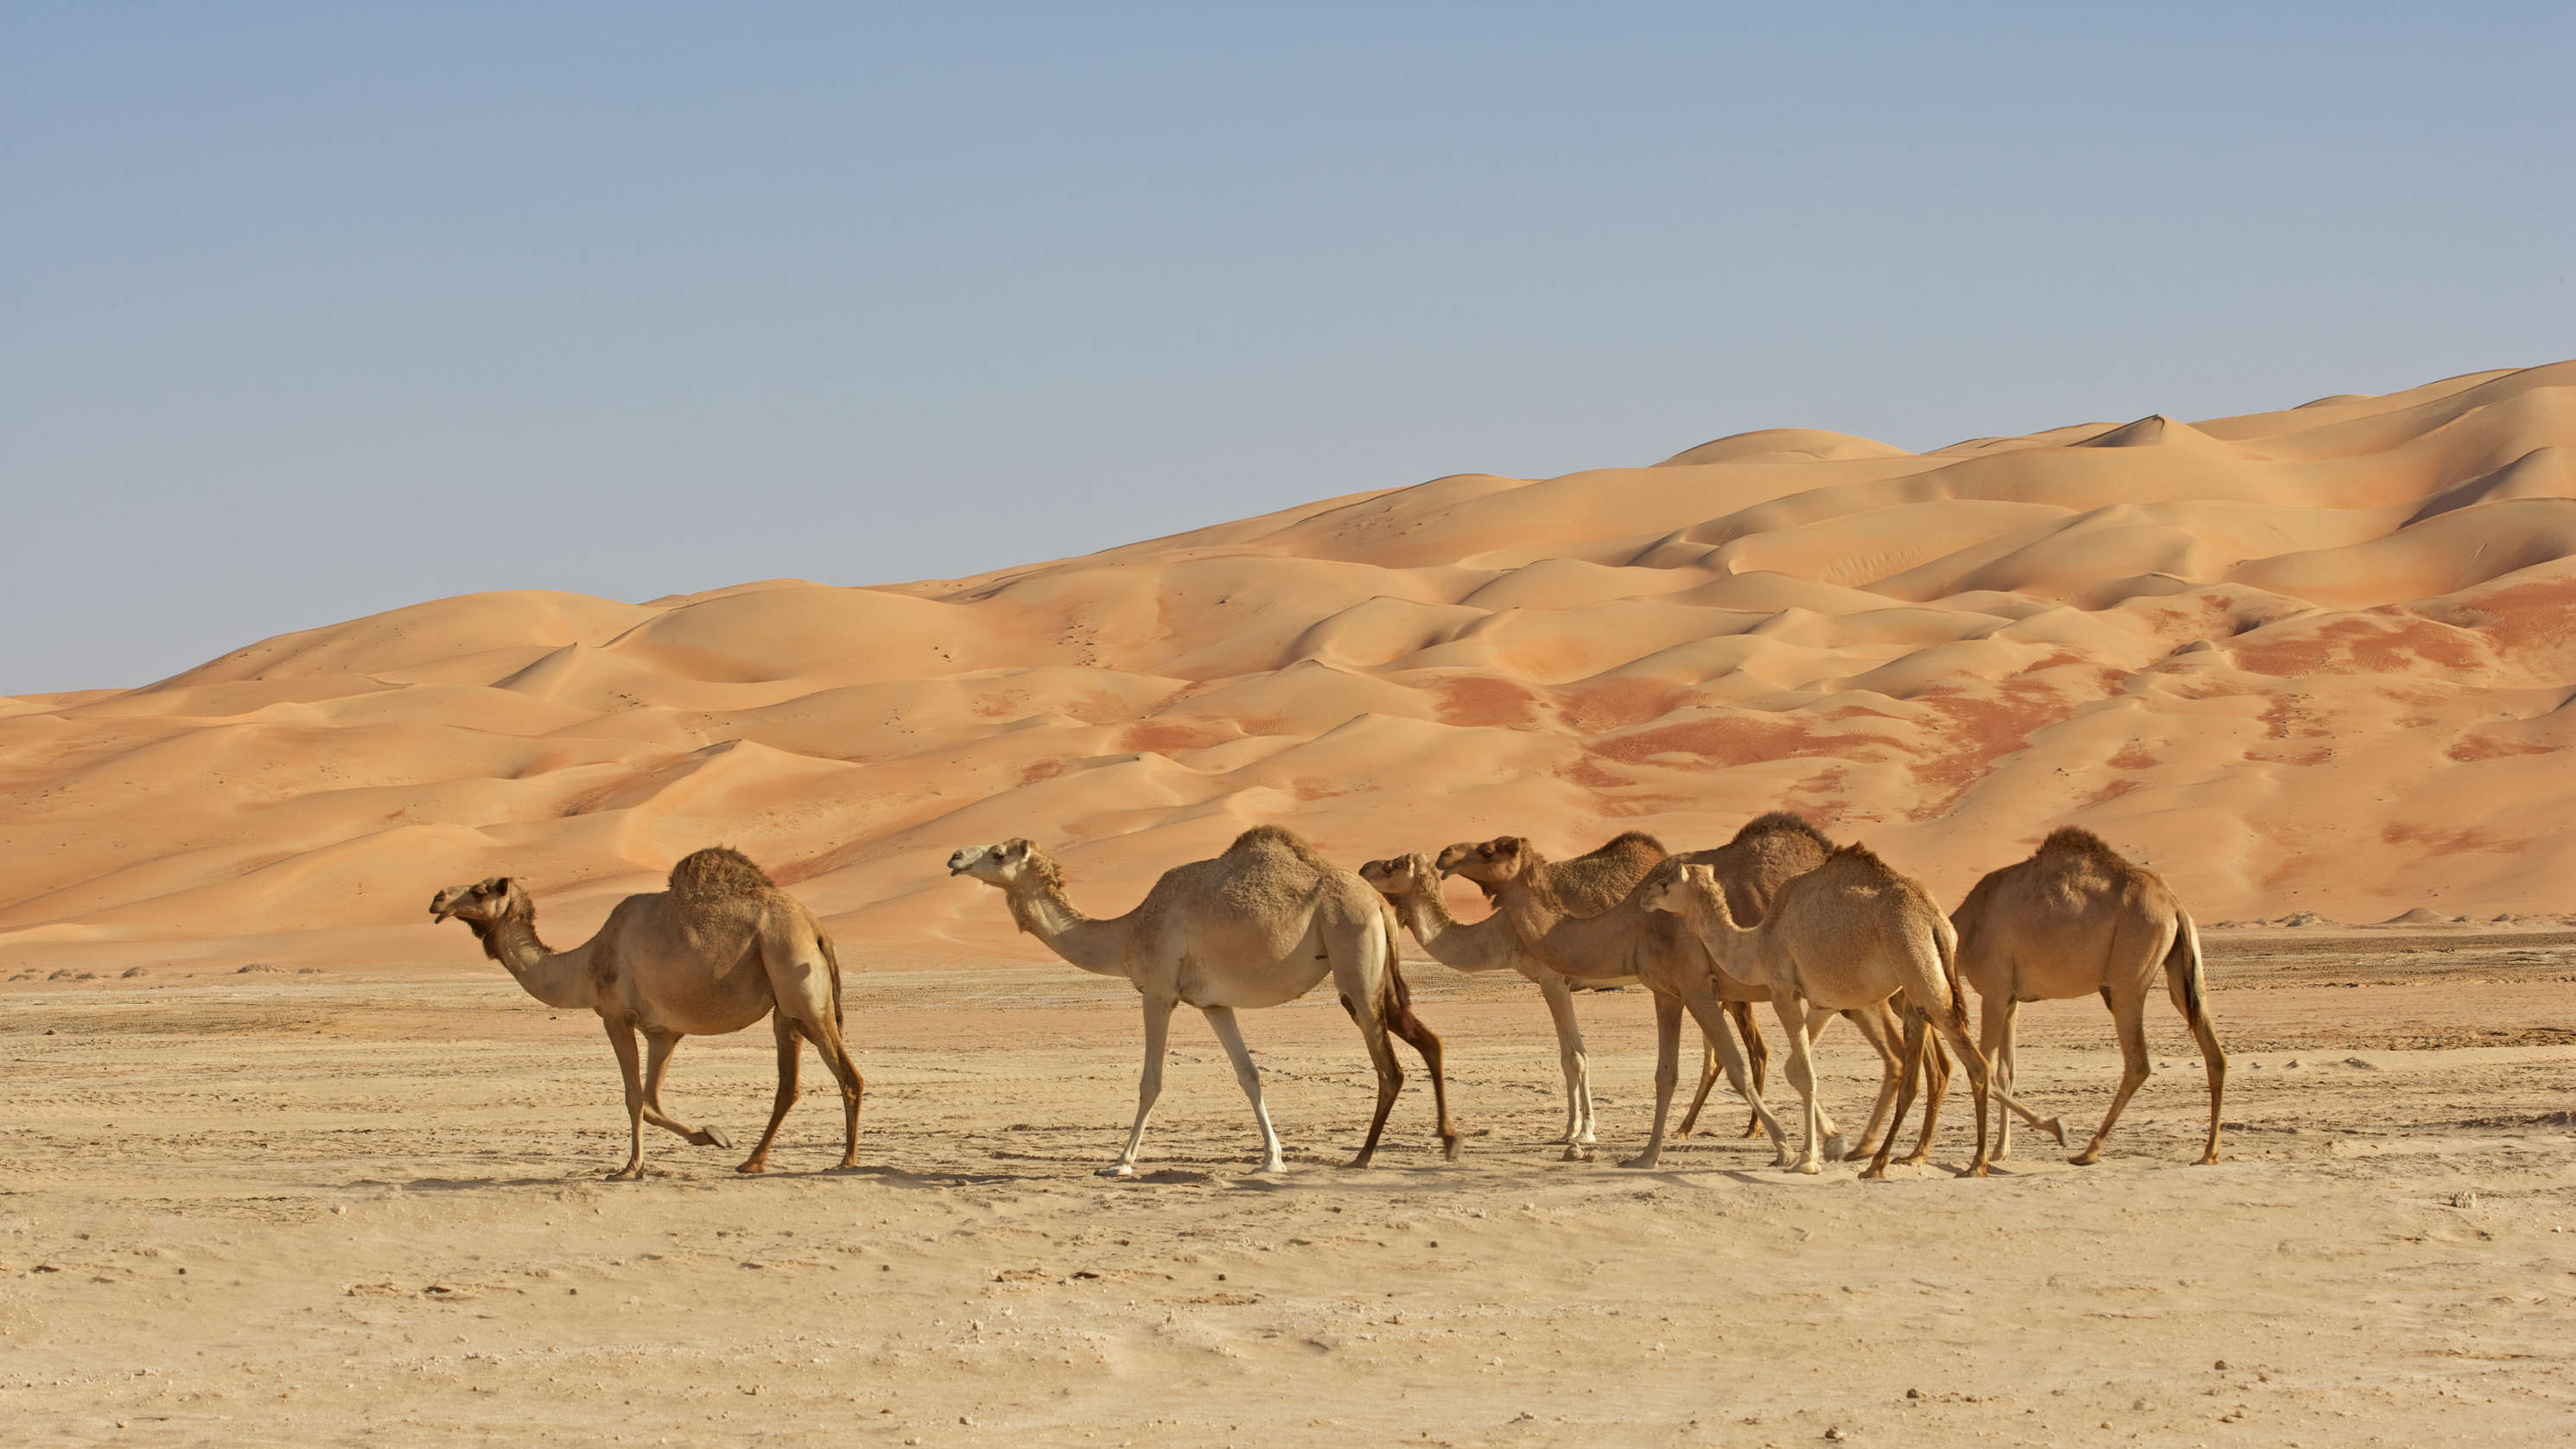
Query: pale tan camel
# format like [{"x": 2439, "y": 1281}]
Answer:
[
  {"x": 1653, "y": 946},
  {"x": 1256, "y": 926},
  {"x": 1588, "y": 884},
  {"x": 719, "y": 950},
  {"x": 1592, "y": 882},
  {"x": 2076, "y": 919},
  {"x": 1851, "y": 933}
]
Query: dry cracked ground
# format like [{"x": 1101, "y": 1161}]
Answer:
[{"x": 365, "y": 1208}]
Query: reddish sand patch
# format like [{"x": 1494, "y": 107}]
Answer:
[
  {"x": 1483, "y": 702},
  {"x": 1618, "y": 703}
]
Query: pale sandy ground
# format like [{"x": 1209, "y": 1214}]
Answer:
[{"x": 364, "y": 1208}]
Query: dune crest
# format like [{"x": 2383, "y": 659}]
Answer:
[{"x": 2317, "y": 658}]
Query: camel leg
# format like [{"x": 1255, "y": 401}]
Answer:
[
  {"x": 1995, "y": 1018},
  {"x": 2129, "y": 1019},
  {"x": 1578, "y": 1067},
  {"x": 1423, "y": 1040},
  {"x": 1756, "y": 1055},
  {"x": 1712, "y": 1023},
  {"x": 1708, "y": 1075},
  {"x": 1792, "y": 1012},
  {"x": 826, "y": 1036},
  {"x": 1873, "y": 1025},
  {"x": 2216, "y": 1061},
  {"x": 1390, "y": 1073},
  {"x": 621, "y": 1036},
  {"x": 1916, "y": 1034},
  {"x": 1936, "y": 1071},
  {"x": 1221, "y": 1020},
  {"x": 1149, "y": 1082},
  {"x": 658, "y": 1046},
  {"x": 1668, "y": 1046},
  {"x": 790, "y": 1047}
]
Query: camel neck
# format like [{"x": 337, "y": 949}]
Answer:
[
  {"x": 557, "y": 978},
  {"x": 1484, "y": 946},
  {"x": 1041, "y": 909}
]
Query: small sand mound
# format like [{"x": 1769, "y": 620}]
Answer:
[{"x": 2420, "y": 916}]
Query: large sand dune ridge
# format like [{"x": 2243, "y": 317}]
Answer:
[{"x": 2312, "y": 659}]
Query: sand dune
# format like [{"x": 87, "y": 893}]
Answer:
[{"x": 2313, "y": 659}]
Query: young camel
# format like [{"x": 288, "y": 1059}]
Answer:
[
  {"x": 1589, "y": 885},
  {"x": 2073, "y": 920},
  {"x": 1593, "y": 882},
  {"x": 1256, "y": 926},
  {"x": 1630, "y": 941},
  {"x": 719, "y": 950},
  {"x": 1849, "y": 934}
]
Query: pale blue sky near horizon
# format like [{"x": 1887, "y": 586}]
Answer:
[{"x": 318, "y": 311}]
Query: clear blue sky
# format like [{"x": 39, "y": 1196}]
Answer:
[{"x": 315, "y": 311}]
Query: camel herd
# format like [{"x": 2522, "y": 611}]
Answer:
[{"x": 1778, "y": 914}]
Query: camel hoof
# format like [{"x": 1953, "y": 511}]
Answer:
[
  {"x": 1811, "y": 1168},
  {"x": 1973, "y": 1169},
  {"x": 754, "y": 1168},
  {"x": 1358, "y": 1162},
  {"x": 1914, "y": 1159},
  {"x": 1118, "y": 1169},
  {"x": 2054, "y": 1129},
  {"x": 1875, "y": 1172},
  {"x": 1273, "y": 1165},
  {"x": 711, "y": 1137},
  {"x": 1449, "y": 1149},
  {"x": 2087, "y": 1157},
  {"x": 1643, "y": 1161},
  {"x": 630, "y": 1173},
  {"x": 2209, "y": 1161}
]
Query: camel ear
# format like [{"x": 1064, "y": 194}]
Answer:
[{"x": 501, "y": 885}]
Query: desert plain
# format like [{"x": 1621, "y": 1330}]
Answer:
[{"x": 291, "y": 1165}]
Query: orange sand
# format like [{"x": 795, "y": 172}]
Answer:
[{"x": 2303, "y": 660}]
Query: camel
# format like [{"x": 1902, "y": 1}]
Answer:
[
  {"x": 1629, "y": 940},
  {"x": 1592, "y": 882},
  {"x": 1849, "y": 934},
  {"x": 1589, "y": 884},
  {"x": 1257, "y": 926},
  {"x": 2073, "y": 920},
  {"x": 719, "y": 950}
]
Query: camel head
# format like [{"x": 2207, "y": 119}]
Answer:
[
  {"x": 482, "y": 903},
  {"x": 1671, "y": 890},
  {"x": 1490, "y": 863},
  {"x": 1399, "y": 876},
  {"x": 1003, "y": 865}
]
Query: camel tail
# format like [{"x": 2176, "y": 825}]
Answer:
[
  {"x": 832, "y": 959},
  {"x": 1399, "y": 994},
  {"x": 2183, "y": 972},
  {"x": 1947, "y": 939}
]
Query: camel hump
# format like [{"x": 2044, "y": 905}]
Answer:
[
  {"x": 1629, "y": 845},
  {"x": 1280, "y": 840},
  {"x": 1781, "y": 822},
  {"x": 2075, "y": 840},
  {"x": 717, "y": 875}
]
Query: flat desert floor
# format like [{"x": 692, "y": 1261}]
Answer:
[{"x": 365, "y": 1208}]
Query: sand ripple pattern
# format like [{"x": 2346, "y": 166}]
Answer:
[{"x": 2315, "y": 659}]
